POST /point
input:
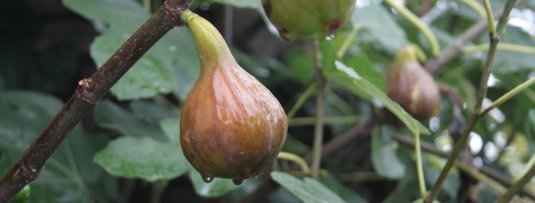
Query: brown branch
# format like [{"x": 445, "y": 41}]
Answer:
[{"x": 87, "y": 94}]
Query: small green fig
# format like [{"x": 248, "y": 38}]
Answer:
[
  {"x": 231, "y": 125},
  {"x": 307, "y": 19},
  {"x": 410, "y": 85}
]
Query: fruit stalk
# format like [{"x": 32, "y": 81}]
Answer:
[{"x": 318, "y": 128}]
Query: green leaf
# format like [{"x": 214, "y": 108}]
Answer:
[
  {"x": 308, "y": 190},
  {"x": 353, "y": 81},
  {"x": 109, "y": 115},
  {"x": 69, "y": 175},
  {"x": 368, "y": 71},
  {"x": 329, "y": 181},
  {"x": 217, "y": 188},
  {"x": 153, "y": 74},
  {"x": 254, "y": 4},
  {"x": 380, "y": 25},
  {"x": 144, "y": 157},
  {"x": 384, "y": 158},
  {"x": 507, "y": 62}
]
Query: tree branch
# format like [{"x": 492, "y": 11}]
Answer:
[
  {"x": 87, "y": 94},
  {"x": 482, "y": 91},
  {"x": 455, "y": 49},
  {"x": 489, "y": 172}
]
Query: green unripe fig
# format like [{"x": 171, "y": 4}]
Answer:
[
  {"x": 307, "y": 19},
  {"x": 231, "y": 125},
  {"x": 410, "y": 85}
]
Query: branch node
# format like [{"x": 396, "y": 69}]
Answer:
[
  {"x": 175, "y": 7},
  {"x": 27, "y": 172},
  {"x": 84, "y": 92}
]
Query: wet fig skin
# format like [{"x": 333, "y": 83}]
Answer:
[
  {"x": 231, "y": 125},
  {"x": 307, "y": 19},
  {"x": 410, "y": 85}
]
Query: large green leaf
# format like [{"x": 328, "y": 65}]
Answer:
[
  {"x": 352, "y": 80},
  {"x": 153, "y": 74},
  {"x": 141, "y": 156},
  {"x": 377, "y": 21},
  {"x": 344, "y": 192},
  {"x": 109, "y": 115},
  {"x": 69, "y": 175},
  {"x": 367, "y": 70},
  {"x": 384, "y": 158},
  {"x": 308, "y": 190}
]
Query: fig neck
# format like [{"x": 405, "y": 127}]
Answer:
[
  {"x": 407, "y": 55},
  {"x": 212, "y": 48}
]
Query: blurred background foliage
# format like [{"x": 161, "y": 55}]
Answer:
[{"x": 127, "y": 149}]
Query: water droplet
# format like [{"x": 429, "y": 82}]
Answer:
[
  {"x": 172, "y": 48},
  {"x": 330, "y": 37},
  {"x": 237, "y": 180},
  {"x": 207, "y": 179}
]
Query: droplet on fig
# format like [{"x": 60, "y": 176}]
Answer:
[
  {"x": 207, "y": 179},
  {"x": 237, "y": 180},
  {"x": 230, "y": 125}
]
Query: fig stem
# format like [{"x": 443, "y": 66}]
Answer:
[
  {"x": 508, "y": 95},
  {"x": 419, "y": 164},
  {"x": 318, "y": 129},
  {"x": 526, "y": 177},
  {"x": 348, "y": 41},
  {"x": 296, "y": 159},
  {"x": 426, "y": 31},
  {"x": 157, "y": 190},
  {"x": 341, "y": 120},
  {"x": 502, "y": 47},
  {"x": 475, "y": 6},
  {"x": 309, "y": 91},
  {"x": 147, "y": 6},
  {"x": 211, "y": 46},
  {"x": 87, "y": 94},
  {"x": 482, "y": 91}
]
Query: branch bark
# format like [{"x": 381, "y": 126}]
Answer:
[{"x": 87, "y": 94}]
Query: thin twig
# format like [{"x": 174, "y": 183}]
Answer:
[
  {"x": 301, "y": 100},
  {"x": 296, "y": 159},
  {"x": 426, "y": 31},
  {"x": 482, "y": 174},
  {"x": 455, "y": 48},
  {"x": 342, "y": 120},
  {"x": 508, "y": 95},
  {"x": 87, "y": 94},
  {"x": 501, "y": 47},
  {"x": 318, "y": 129},
  {"x": 419, "y": 165},
  {"x": 493, "y": 35},
  {"x": 347, "y": 137},
  {"x": 526, "y": 177},
  {"x": 482, "y": 91}
]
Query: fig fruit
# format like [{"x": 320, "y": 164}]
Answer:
[
  {"x": 307, "y": 19},
  {"x": 411, "y": 86},
  {"x": 231, "y": 125}
]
